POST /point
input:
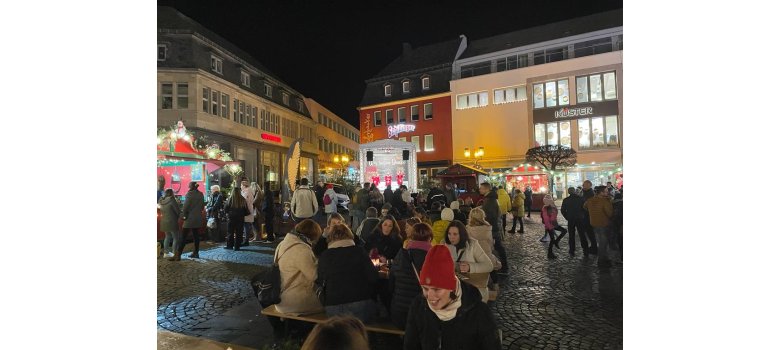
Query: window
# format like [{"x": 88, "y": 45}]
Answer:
[
  {"x": 512, "y": 62},
  {"x": 551, "y": 94},
  {"x": 268, "y": 90},
  {"x": 389, "y": 116},
  {"x": 553, "y": 134},
  {"x": 162, "y": 52},
  {"x": 206, "y": 96},
  {"x": 241, "y": 109},
  {"x": 377, "y": 118},
  {"x": 598, "y": 132},
  {"x": 245, "y": 79},
  {"x": 254, "y": 117},
  {"x": 472, "y": 100},
  {"x": 593, "y": 47},
  {"x": 235, "y": 110},
  {"x": 166, "y": 92},
  {"x": 429, "y": 143},
  {"x": 224, "y": 105},
  {"x": 319, "y": 118},
  {"x": 510, "y": 94},
  {"x": 216, "y": 64},
  {"x": 428, "y": 110},
  {"x": 415, "y": 113},
  {"x": 551, "y": 55},
  {"x": 182, "y": 96},
  {"x": 426, "y": 83},
  {"x": 402, "y": 114},
  {"x": 388, "y": 90},
  {"x": 214, "y": 102},
  {"x": 300, "y": 105},
  {"x": 406, "y": 85},
  {"x": 416, "y": 142},
  {"x": 596, "y": 87},
  {"x": 286, "y": 98},
  {"x": 402, "y": 139},
  {"x": 476, "y": 69}
]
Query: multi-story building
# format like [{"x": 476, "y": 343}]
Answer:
[
  {"x": 557, "y": 84},
  {"x": 409, "y": 100},
  {"x": 336, "y": 138},
  {"x": 221, "y": 92}
]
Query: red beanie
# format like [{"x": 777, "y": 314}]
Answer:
[
  {"x": 438, "y": 270},
  {"x": 329, "y": 186}
]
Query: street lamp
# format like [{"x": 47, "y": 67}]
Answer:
[
  {"x": 478, "y": 154},
  {"x": 342, "y": 161}
]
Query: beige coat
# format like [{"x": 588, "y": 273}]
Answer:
[
  {"x": 478, "y": 261},
  {"x": 299, "y": 264},
  {"x": 485, "y": 237}
]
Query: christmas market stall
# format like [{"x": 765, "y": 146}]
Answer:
[
  {"x": 389, "y": 163},
  {"x": 466, "y": 177},
  {"x": 181, "y": 158},
  {"x": 528, "y": 175}
]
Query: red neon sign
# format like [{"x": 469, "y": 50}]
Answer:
[{"x": 270, "y": 137}]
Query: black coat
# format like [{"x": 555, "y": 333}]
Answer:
[
  {"x": 387, "y": 246},
  {"x": 369, "y": 224},
  {"x": 319, "y": 191},
  {"x": 473, "y": 327},
  {"x": 572, "y": 209},
  {"x": 528, "y": 200},
  {"x": 492, "y": 212},
  {"x": 214, "y": 205},
  {"x": 404, "y": 284},
  {"x": 460, "y": 216},
  {"x": 388, "y": 195},
  {"x": 348, "y": 275}
]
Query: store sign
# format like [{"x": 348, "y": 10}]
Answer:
[
  {"x": 394, "y": 130},
  {"x": 270, "y": 137},
  {"x": 582, "y": 110}
]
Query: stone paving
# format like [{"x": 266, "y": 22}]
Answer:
[{"x": 566, "y": 303}]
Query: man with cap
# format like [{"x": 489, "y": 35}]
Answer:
[
  {"x": 453, "y": 308},
  {"x": 192, "y": 214}
]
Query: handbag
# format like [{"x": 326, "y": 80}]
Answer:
[
  {"x": 267, "y": 286},
  {"x": 211, "y": 223}
]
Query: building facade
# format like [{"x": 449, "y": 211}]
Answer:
[
  {"x": 335, "y": 138},
  {"x": 558, "y": 84},
  {"x": 409, "y": 100},
  {"x": 222, "y": 93}
]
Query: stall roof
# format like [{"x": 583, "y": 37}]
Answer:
[{"x": 458, "y": 169}]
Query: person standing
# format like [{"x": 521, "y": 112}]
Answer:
[
  {"x": 558, "y": 188},
  {"x": 549, "y": 215},
  {"x": 319, "y": 190},
  {"x": 169, "y": 223},
  {"x": 459, "y": 216},
  {"x": 256, "y": 205},
  {"x": 330, "y": 200},
  {"x": 376, "y": 199},
  {"x": 192, "y": 214},
  {"x": 492, "y": 212},
  {"x": 449, "y": 194},
  {"x": 572, "y": 210},
  {"x": 388, "y": 195},
  {"x": 616, "y": 238},
  {"x": 213, "y": 209},
  {"x": 269, "y": 210},
  {"x": 528, "y": 201},
  {"x": 518, "y": 210},
  {"x": 360, "y": 206},
  {"x": 587, "y": 193},
  {"x": 505, "y": 205},
  {"x": 304, "y": 201},
  {"x": 249, "y": 196},
  {"x": 236, "y": 208},
  {"x": 599, "y": 209}
]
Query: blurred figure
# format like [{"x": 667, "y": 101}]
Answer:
[
  {"x": 573, "y": 212},
  {"x": 518, "y": 210},
  {"x": 405, "y": 269},
  {"x": 237, "y": 209},
  {"x": 169, "y": 223},
  {"x": 338, "y": 333},
  {"x": 192, "y": 214}
]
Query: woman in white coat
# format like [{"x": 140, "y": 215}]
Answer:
[
  {"x": 468, "y": 254},
  {"x": 298, "y": 268},
  {"x": 480, "y": 230}
]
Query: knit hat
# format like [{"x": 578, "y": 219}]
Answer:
[
  {"x": 455, "y": 205},
  {"x": 438, "y": 270},
  {"x": 387, "y": 206},
  {"x": 447, "y": 214},
  {"x": 329, "y": 186}
]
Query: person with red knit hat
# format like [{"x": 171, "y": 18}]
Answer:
[{"x": 449, "y": 314}]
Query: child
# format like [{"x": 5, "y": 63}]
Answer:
[{"x": 550, "y": 221}]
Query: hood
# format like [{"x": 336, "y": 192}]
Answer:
[{"x": 166, "y": 200}]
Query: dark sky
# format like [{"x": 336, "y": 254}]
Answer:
[{"x": 326, "y": 49}]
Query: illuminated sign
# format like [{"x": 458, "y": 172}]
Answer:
[
  {"x": 270, "y": 137},
  {"x": 394, "y": 130}
]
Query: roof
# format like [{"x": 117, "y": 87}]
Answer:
[
  {"x": 420, "y": 58},
  {"x": 458, "y": 169},
  {"x": 552, "y": 31}
]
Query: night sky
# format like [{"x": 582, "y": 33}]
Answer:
[{"x": 327, "y": 49}]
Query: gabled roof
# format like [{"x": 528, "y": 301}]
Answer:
[
  {"x": 552, "y": 31},
  {"x": 459, "y": 169},
  {"x": 420, "y": 58}
]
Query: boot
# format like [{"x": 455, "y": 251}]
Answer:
[{"x": 176, "y": 256}]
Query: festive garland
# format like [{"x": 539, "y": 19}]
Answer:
[{"x": 212, "y": 151}]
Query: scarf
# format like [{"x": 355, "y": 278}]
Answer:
[
  {"x": 448, "y": 312},
  {"x": 341, "y": 243},
  {"x": 423, "y": 245}
]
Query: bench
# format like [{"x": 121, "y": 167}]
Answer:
[{"x": 377, "y": 327}]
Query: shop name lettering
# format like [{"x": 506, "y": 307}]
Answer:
[
  {"x": 394, "y": 130},
  {"x": 573, "y": 112}
]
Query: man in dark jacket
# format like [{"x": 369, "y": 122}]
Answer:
[
  {"x": 388, "y": 194},
  {"x": 492, "y": 216},
  {"x": 192, "y": 214},
  {"x": 572, "y": 210},
  {"x": 587, "y": 193},
  {"x": 368, "y": 224},
  {"x": 360, "y": 206},
  {"x": 399, "y": 204},
  {"x": 213, "y": 209},
  {"x": 435, "y": 195},
  {"x": 528, "y": 200}
]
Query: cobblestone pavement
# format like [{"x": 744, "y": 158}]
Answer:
[{"x": 566, "y": 303}]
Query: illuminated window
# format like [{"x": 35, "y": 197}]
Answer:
[
  {"x": 429, "y": 143},
  {"x": 268, "y": 90},
  {"x": 551, "y": 94},
  {"x": 286, "y": 98},
  {"x": 596, "y": 87},
  {"x": 416, "y": 142}
]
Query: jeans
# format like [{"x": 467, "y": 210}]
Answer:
[
  {"x": 364, "y": 310},
  {"x": 602, "y": 234},
  {"x": 174, "y": 236},
  {"x": 574, "y": 225},
  {"x": 503, "y": 224},
  {"x": 515, "y": 219},
  {"x": 591, "y": 234},
  {"x": 528, "y": 209},
  {"x": 235, "y": 233}
]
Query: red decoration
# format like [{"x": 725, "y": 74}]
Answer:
[{"x": 270, "y": 137}]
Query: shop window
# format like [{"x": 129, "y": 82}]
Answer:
[
  {"x": 584, "y": 132},
  {"x": 166, "y": 91},
  {"x": 539, "y": 137},
  {"x": 402, "y": 139},
  {"x": 553, "y": 134},
  {"x": 596, "y": 87},
  {"x": 510, "y": 94},
  {"x": 598, "y": 132},
  {"x": 182, "y": 95},
  {"x": 389, "y": 116},
  {"x": 402, "y": 114},
  {"x": 377, "y": 118}
]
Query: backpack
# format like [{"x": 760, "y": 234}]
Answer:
[
  {"x": 326, "y": 199},
  {"x": 267, "y": 285}
]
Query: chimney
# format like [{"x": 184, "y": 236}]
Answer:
[{"x": 407, "y": 50}]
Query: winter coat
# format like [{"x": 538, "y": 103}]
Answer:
[
  {"x": 387, "y": 246},
  {"x": 528, "y": 197},
  {"x": 549, "y": 217},
  {"x": 249, "y": 195},
  {"x": 617, "y": 213},
  {"x": 319, "y": 191},
  {"x": 169, "y": 208},
  {"x": 504, "y": 203},
  {"x": 404, "y": 283},
  {"x": 492, "y": 212},
  {"x": 439, "y": 231},
  {"x": 192, "y": 212},
  {"x": 518, "y": 204},
  {"x": 362, "y": 201},
  {"x": 268, "y": 203},
  {"x": 399, "y": 204},
  {"x": 478, "y": 261},
  {"x": 483, "y": 234},
  {"x": 375, "y": 199},
  {"x": 366, "y": 227},
  {"x": 348, "y": 275},
  {"x": 460, "y": 216},
  {"x": 214, "y": 205},
  {"x": 298, "y": 268},
  {"x": 303, "y": 202},
  {"x": 572, "y": 208},
  {"x": 600, "y": 211},
  {"x": 388, "y": 195},
  {"x": 236, "y": 214},
  {"x": 332, "y": 207},
  {"x": 473, "y": 328}
]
